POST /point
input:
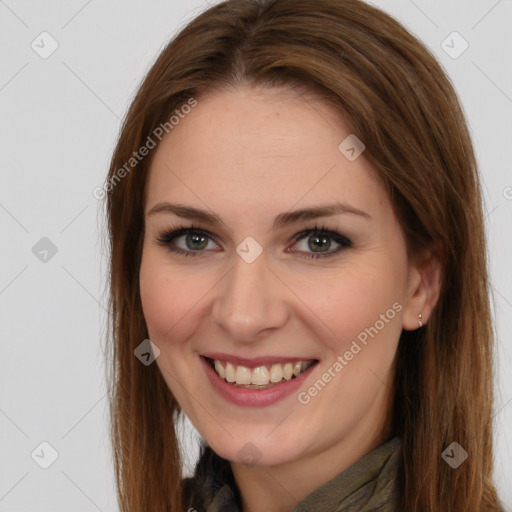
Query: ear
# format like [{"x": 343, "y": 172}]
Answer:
[{"x": 423, "y": 290}]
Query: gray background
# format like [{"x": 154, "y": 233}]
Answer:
[{"x": 60, "y": 117}]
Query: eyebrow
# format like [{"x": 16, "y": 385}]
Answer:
[{"x": 283, "y": 219}]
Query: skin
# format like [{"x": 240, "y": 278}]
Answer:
[{"x": 249, "y": 154}]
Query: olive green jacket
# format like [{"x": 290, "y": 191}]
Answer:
[{"x": 370, "y": 485}]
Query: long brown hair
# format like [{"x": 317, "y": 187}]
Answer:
[{"x": 400, "y": 103}]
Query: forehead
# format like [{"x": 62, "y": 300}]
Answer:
[{"x": 260, "y": 151}]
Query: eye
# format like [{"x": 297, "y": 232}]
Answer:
[
  {"x": 192, "y": 239},
  {"x": 319, "y": 240}
]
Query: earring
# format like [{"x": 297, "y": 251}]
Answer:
[{"x": 420, "y": 323}]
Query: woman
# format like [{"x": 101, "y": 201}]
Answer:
[{"x": 295, "y": 223}]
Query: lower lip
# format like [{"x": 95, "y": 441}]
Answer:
[{"x": 254, "y": 397}]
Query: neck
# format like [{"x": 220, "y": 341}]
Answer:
[{"x": 280, "y": 488}]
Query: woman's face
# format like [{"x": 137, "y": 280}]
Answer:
[{"x": 259, "y": 291}]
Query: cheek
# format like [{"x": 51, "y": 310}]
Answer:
[
  {"x": 167, "y": 298},
  {"x": 361, "y": 304}
]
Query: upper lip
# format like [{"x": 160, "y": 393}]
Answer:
[{"x": 254, "y": 361}]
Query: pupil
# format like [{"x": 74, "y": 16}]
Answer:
[
  {"x": 195, "y": 239},
  {"x": 322, "y": 240}
]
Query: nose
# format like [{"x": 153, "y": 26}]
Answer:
[{"x": 250, "y": 302}]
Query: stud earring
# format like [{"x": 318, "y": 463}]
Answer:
[{"x": 420, "y": 323}]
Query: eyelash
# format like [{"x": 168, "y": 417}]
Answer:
[{"x": 167, "y": 237}]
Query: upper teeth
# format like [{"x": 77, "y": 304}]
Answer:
[{"x": 262, "y": 375}]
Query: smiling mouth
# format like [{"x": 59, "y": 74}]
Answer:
[{"x": 260, "y": 377}]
